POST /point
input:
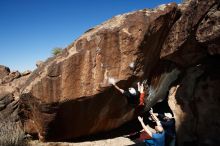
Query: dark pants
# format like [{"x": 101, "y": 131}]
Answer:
[{"x": 170, "y": 140}]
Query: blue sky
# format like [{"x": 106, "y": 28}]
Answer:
[{"x": 30, "y": 29}]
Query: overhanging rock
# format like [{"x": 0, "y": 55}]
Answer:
[{"x": 68, "y": 96}]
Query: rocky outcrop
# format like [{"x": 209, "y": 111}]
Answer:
[
  {"x": 12, "y": 82},
  {"x": 195, "y": 104},
  {"x": 11, "y": 132},
  {"x": 72, "y": 87},
  {"x": 11, "y": 77},
  {"x": 4, "y": 71},
  {"x": 181, "y": 45},
  {"x": 208, "y": 30},
  {"x": 72, "y": 90},
  {"x": 176, "y": 48},
  {"x": 194, "y": 99},
  {"x": 39, "y": 63}
]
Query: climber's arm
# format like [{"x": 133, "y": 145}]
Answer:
[
  {"x": 144, "y": 126},
  {"x": 112, "y": 81},
  {"x": 119, "y": 89},
  {"x": 141, "y": 90},
  {"x": 155, "y": 118},
  {"x": 139, "y": 87}
]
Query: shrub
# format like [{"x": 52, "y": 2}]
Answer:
[
  {"x": 11, "y": 134},
  {"x": 56, "y": 51}
]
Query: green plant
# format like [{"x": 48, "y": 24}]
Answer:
[{"x": 56, "y": 51}]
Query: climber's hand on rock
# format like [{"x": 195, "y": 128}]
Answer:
[{"x": 111, "y": 81}]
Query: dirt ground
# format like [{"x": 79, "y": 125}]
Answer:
[{"x": 119, "y": 141}]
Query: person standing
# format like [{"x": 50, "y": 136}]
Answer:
[
  {"x": 157, "y": 138},
  {"x": 168, "y": 123}
]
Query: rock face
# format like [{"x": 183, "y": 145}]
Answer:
[
  {"x": 176, "y": 48},
  {"x": 195, "y": 104},
  {"x": 194, "y": 99},
  {"x": 11, "y": 132},
  {"x": 72, "y": 90},
  {"x": 11, "y": 82}
]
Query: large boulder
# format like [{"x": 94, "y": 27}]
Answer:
[
  {"x": 69, "y": 96},
  {"x": 12, "y": 75},
  {"x": 176, "y": 48},
  {"x": 12, "y": 83},
  {"x": 193, "y": 44},
  {"x": 194, "y": 101}
]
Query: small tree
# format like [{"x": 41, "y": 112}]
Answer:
[{"x": 56, "y": 51}]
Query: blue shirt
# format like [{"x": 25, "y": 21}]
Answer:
[
  {"x": 158, "y": 139},
  {"x": 168, "y": 125}
]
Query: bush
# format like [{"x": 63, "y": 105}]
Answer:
[
  {"x": 11, "y": 134},
  {"x": 56, "y": 51}
]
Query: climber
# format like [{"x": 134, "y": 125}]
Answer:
[
  {"x": 157, "y": 138},
  {"x": 168, "y": 123},
  {"x": 134, "y": 97}
]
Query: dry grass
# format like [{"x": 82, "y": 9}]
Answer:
[{"x": 11, "y": 134}]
